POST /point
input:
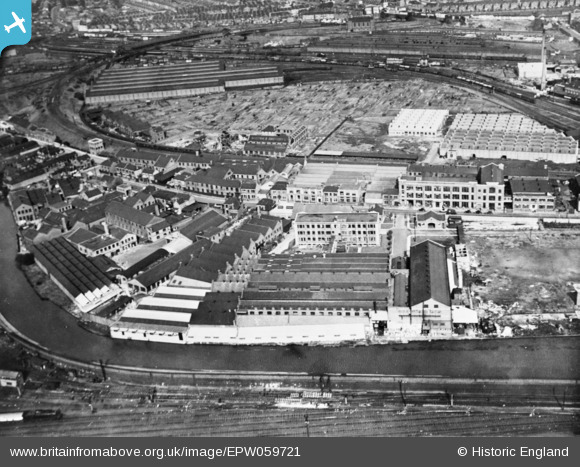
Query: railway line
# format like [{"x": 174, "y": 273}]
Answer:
[{"x": 353, "y": 420}]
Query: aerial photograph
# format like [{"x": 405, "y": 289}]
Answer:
[{"x": 277, "y": 218}]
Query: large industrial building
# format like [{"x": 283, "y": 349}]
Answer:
[
  {"x": 188, "y": 79},
  {"x": 532, "y": 195},
  {"x": 506, "y": 136},
  {"x": 81, "y": 279},
  {"x": 349, "y": 229},
  {"x": 344, "y": 183},
  {"x": 444, "y": 187},
  {"x": 418, "y": 122}
]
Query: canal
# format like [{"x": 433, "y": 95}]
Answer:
[{"x": 55, "y": 329}]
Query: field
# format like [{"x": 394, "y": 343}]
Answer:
[
  {"x": 322, "y": 107},
  {"x": 533, "y": 270}
]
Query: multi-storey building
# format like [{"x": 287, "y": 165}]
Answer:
[
  {"x": 532, "y": 195},
  {"x": 353, "y": 228},
  {"x": 341, "y": 183},
  {"x": 146, "y": 226},
  {"x": 443, "y": 187}
]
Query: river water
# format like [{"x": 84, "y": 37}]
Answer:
[{"x": 55, "y": 329}]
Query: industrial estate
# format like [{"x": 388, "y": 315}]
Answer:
[{"x": 320, "y": 174}]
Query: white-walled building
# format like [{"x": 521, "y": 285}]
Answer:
[
  {"x": 506, "y": 136},
  {"x": 354, "y": 228},
  {"x": 96, "y": 146},
  {"x": 418, "y": 122}
]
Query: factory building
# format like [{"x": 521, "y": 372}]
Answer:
[
  {"x": 445, "y": 187},
  {"x": 361, "y": 23},
  {"x": 530, "y": 70},
  {"x": 163, "y": 317},
  {"x": 532, "y": 195},
  {"x": 418, "y": 122},
  {"x": 320, "y": 183},
  {"x": 78, "y": 277},
  {"x": 327, "y": 298},
  {"x": 109, "y": 244},
  {"x": 165, "y": 81},
  {"x": 349, "y": 229},
  {"x": 144, "y": 225},
  {"x": 506, "y": 136},
  {"x": 430, "y": 287}
]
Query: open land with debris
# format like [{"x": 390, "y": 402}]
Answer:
[
  {"x": 322, "y": 107},
  {"x": 526, "y": 272}
]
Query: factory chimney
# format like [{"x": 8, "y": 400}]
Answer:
[{"x": 543, "y": 82}]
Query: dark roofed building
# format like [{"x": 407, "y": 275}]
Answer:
[
  {"x": 144, "y": 225},
  {"x": 77, "y": 276},
  {"x": 429, "y": 284},
  {"x": 201, "y": 223},
  {"x": 532, "y": 195}
]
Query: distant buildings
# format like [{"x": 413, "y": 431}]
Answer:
[
  {"x": 418, "y": 122},
  {"x": 361, "y": 23},
  {"x": 96, "y": 146},
  {"x": 166, "y": 81},
  {"x": 506, "y": 136}
]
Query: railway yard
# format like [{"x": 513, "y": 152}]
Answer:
[
  {"x": 345, "y": 88},
  {"x": 246, "y": 407}
]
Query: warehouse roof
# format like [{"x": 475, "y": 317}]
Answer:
[
  {"x": 217, "y": 308},
  {"x": 71, "y": 269},
  {"x": 429, "y": 274},
  {"x": 133, "y": 215},
  {"x": 528, "y": 186},
  {"x": 338, "y": 216},
  {"x": 202, "y": 222}
]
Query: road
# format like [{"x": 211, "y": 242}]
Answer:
[{"x": 400, "y": 236}]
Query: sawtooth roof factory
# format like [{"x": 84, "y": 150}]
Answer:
[
  {"x": 506, "y": 136},
  {"x": 189, "y": 79}
]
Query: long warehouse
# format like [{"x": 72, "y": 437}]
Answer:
[{"x": 189, "y": 79}]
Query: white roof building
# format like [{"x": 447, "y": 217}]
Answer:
[{"x": 418, "y": 122}]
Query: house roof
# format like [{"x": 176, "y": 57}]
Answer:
[{"x": 423, "y": 216}]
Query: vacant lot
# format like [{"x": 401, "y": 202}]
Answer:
[
  {"x": 321, "y": 107},
  {"x": 534, "y": 269}
]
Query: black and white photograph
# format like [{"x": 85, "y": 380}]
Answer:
[{"x": 290, "y": 219}]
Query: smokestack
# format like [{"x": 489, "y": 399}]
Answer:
[
  {"x": 105, "y": 227},
  {"x": 543, "y": 83}
]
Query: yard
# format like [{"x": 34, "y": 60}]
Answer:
[{"x": 527, "y": 272}]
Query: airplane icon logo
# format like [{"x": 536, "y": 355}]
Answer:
[
  {"x": 16, "y": 17},
  {"x": 17, "y": 22}
]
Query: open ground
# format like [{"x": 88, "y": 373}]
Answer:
[
  {"x": 321, "y": 107},
  {"x": 533, "y": 269}
]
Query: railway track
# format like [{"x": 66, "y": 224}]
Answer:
[{"x": 275, "y": 422}]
